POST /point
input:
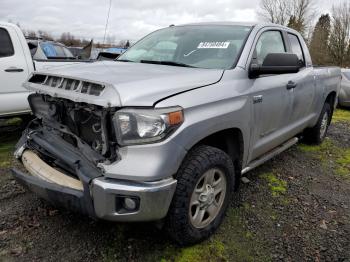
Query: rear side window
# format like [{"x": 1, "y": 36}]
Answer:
[
  {"x": 296, "y": 47},
  {"x": 269, "y": 42},
  {"x": 6, "y": 47}
]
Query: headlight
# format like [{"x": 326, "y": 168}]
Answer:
[{"x": 140, "y": 126}]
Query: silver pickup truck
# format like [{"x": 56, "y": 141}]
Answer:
[{"x": 166, "y": 131}]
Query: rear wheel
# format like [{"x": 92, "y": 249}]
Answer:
[
  {"x": 317, "y": 134},
  {"x": 205, "y": 185}
]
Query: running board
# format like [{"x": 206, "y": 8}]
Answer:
[{"x": 270, "y": 155}]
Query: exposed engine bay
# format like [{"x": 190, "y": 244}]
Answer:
[{"x": 79, "y": 124}]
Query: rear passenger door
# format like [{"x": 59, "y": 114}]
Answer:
[{"x": 303, "y": 93}]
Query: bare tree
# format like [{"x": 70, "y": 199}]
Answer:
[
  {"x": 295, "y": 13},
  {"x": 110, "y": 40},
  {"x": 70, "y": 40},
  {"x": 31, "y": 33},
  {"x": 45, "y": 35},
  {"x": 340, "y": 35},
  {"x": 121, "y": 43},
  {"x": 303, "y": 12},
  {"x": 275, "y": 11}
]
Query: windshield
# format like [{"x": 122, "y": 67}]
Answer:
[
  {"x": 347, "y": 75},
  {"x": 212, "y": 47}
]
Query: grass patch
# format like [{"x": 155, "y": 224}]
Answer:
[
  {"x": 209, "y": 251},
  {"x": 232, "y": 242},
  {"x": 343, "y": 162},
  {"x": 341, "y": 115},
  {"x": 16, "y": 121},
  {"x": 241, "y": 244},
  {"x": 7, "y": 144},
  {"x": 276, "y": 185},
  {"x": 326, "y": 147},
  {"x": 331, "y": 156},
  {"x": 5, "y": 154}
]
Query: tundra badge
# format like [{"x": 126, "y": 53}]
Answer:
[{"x": 257, "y": 99}]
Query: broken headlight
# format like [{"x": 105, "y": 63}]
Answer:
[{"x": 142, "y": 126}]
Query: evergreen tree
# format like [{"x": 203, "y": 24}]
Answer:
[
  {"x": 320, "y": 40},
  {"x": 340, "y": 35},
  {"x": 297, "y": 24}
]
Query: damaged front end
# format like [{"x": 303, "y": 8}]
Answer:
[
  {"x": 85, "y": 126},
  {"x": 63, "y": 146},
  {"x": 62, "y": 151}
]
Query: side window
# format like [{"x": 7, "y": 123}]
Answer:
[
  {"x": 6, "y": 47},
  {"x": 269, "y": 42},
  {"x": 296, "y": 48}
]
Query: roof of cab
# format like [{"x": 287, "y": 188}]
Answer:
[
  {"x": 221, "y": 23},
  {"x": 248, "y": 24}
]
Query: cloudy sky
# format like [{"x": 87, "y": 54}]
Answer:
[{"x": 129, "y": 19}]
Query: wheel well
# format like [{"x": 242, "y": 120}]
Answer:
[
  {"x": 231, "y": 142},
  {"x": 331, "y": 100}
]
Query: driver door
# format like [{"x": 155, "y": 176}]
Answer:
[{"x": 271, "y": 100}]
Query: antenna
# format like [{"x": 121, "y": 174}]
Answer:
[{"x": 109, "y": 10}]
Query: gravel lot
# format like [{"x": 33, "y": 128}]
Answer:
[{"x": 295, "y": 208}]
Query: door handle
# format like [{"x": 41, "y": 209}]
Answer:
[
  {"x": 291, "y": 85},
  {"x": 14, "y": 70}
]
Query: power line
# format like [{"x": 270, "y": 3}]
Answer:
[{"x": 109, "y": 10}]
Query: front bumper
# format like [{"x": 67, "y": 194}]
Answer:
[
  {"x": 154, "y": 199},
  {"x": 102, "y": 200},
  {"x": 98, "y": 196}
]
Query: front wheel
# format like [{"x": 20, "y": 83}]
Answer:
[
  {"x": 317, "y": 134},
  {"x": 205, "y": 184}
]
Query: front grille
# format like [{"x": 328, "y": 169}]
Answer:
[
  {"x": 88, "y": 122},
  {"x": 74, "y": 85}
]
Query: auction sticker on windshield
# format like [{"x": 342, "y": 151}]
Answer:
[{"x": 213, "y": 45}]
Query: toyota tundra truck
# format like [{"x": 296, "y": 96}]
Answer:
[{"x": 165, "y": 132}]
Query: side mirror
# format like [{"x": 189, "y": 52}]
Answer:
[{"x": 276, "y": 63}]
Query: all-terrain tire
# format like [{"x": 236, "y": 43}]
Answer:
[
  {"x": 317, "y": 134},
  {"x": 198, "y": 161}
]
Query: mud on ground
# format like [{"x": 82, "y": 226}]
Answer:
[{"x": 295, "y": 208}]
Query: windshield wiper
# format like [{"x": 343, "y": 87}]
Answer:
[
  {"x": 123, "y": 60},
  {"x": 170, "y": 63}
]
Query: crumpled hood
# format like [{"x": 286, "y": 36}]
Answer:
[{"x": 135, "y": 84}]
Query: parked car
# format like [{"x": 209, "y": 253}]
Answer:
[
  {"x": 46, "y": 50},
  {"x": 82, "y": 52},
  {"x": 344, "y": 94},
  {"x": 18, "y": 59},
  {"x": 167, "y": 130}
]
